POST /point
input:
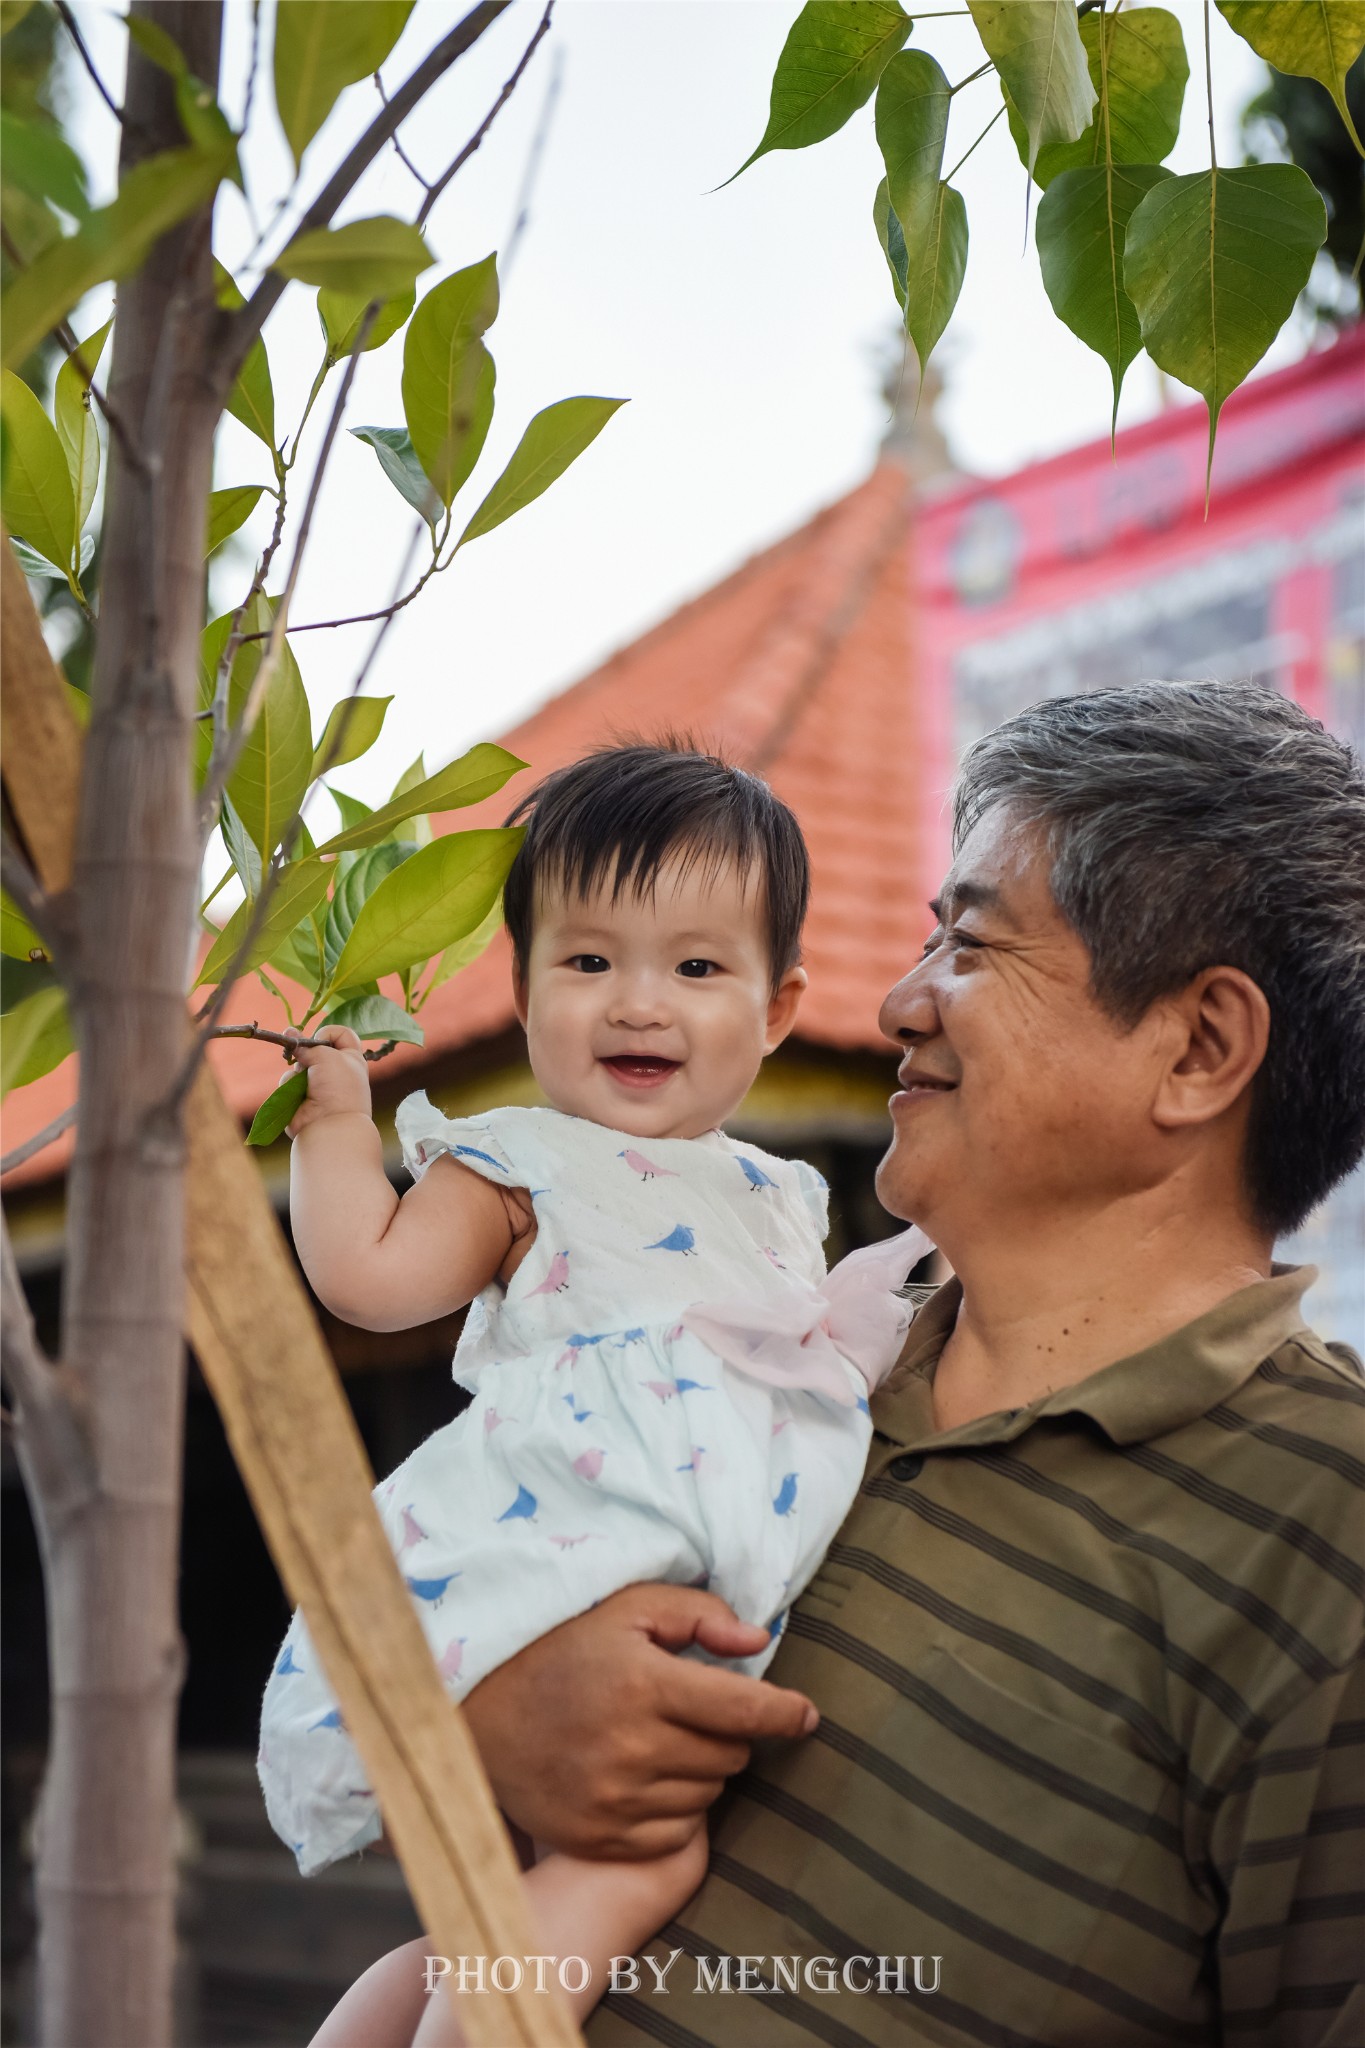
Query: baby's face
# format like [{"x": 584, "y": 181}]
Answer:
[{"x": 652, "y": 1015}]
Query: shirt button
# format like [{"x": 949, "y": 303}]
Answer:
[{"x": 908, "y": 1467}]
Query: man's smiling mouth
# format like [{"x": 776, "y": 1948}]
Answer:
[{"x": 640, "y": 1069}]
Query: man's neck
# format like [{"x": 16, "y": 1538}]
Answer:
[{"x": 1042, "y": 1313}]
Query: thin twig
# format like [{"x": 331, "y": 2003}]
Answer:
[
  {"x": 971, "y": 78},
  {"x": 245, "y": 324},
  {"x": 42, "y": 911},
  {"x": 214, "y": 782},
  {"x": 69, "y": 21},
  {"x": 457, "y": 163},
  {"x": 367, "y": 618},
  {"x": 248, "y": 103},
  {"x": 39, "y": 1142},
  {"x": 291, "y": 1044},
  {"x": 399, "y": 150},
  {"x": 522, "y": 214},
  {"x": 976, "y": 145}
]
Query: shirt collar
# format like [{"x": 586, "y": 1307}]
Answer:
[{"x": 1165, "y": 1386}]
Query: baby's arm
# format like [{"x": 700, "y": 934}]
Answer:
[{"x": 374, "y": 1259}]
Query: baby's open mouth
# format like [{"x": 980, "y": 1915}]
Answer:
[{"x": 641, "y": 1069}]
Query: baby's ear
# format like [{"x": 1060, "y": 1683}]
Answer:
[
  {"x": 783, "y": 1005},
  {"x": 519, "y": 1002}
]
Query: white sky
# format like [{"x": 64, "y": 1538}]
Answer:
[{"x": 746, "y": 326}]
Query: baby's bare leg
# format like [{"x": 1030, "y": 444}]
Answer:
[
  {"x": 592, "y": 1910},
  {"x": 383, "y": 2008}
]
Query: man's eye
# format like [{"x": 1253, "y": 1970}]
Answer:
[
  {"x": 590, "y": 963},
  {"x": 958, "y": 937},
  {"x": 696, "y": 970}
]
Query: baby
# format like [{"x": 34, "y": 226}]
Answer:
[{"x": 666, "y": 1385}]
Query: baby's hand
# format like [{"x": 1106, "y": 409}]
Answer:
[{"x": 338, "y": 1079}]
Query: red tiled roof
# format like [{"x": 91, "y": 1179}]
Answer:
[{"x": 798, "y": 666}]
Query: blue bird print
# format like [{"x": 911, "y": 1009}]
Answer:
[
  {"x": 693, "y": 1387},
  {"x": 786, "y": 1496},
  {"x": 776, "y": 1626},
  {"x": 755, "y": 1175},
  {"x": 473, "y": 1152},
  {"x": 579, "y": 1414},
  {"x": 430, "y": 1589},
  {"x": 288, "y": 1664},
  {"x": 679, "y": 1239},
  {"x": 523, "y": 1508},
  {"x": 328, "y": 1720},
  {"x": 629, "y": 1337}
]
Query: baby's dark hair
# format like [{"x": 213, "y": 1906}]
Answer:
[{"x": 619, "y": 814}]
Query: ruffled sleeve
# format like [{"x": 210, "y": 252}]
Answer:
[{"x": 477, "y": 1142}]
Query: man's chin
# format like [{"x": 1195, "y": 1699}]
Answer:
[{"x": 900, "y": 1184}]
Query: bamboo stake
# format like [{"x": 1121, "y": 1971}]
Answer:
[{"x": 301, "y": 1458}]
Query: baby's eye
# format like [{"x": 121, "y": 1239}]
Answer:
[
  {"x": 697, "y": 970},
  {"x": 590, "y": 963}
]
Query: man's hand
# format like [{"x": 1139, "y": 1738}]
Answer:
[
  {"x": 601, "y": 1742},
  {"x": 338, "y": 1078}
]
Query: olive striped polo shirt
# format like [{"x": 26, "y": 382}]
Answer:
[{"x": 1092, "y": 1725}]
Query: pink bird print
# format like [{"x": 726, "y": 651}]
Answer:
[
  {"x": 694, "y": 1462},
  {"x": 557, "y": 1279},
  {"x": 452, "y": 1657},
  {"x": 570, "y": 1542},
  {"x": 772, "y": 1258},
  {"x": 493, "y": 1420},
  {"x": 646, "y": 1168},
  {"x": 413, "y": 1532},
  {"x": 778, "y": 1427},
  {"x": 663, "y": 1390},
  {"x": 672, "y": 1336},
  {"x": 588, "y": 1464}
]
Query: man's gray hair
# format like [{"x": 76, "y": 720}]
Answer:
[{"x": 1194, "y": 825}]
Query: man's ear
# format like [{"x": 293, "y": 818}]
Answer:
[
  {"x": 1220, "y": 1026},
  {"x": 783, "y": 1005}
]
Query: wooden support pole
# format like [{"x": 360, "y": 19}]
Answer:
[{"x": 300, "y": 1455}]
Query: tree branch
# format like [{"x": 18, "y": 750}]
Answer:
[
  {"x": 53, "y": 1445},
  {"x": 39, "y": 1142},
  {"x": 434, "y": 191},
  {"x": 44, "y": 912},
  {"x": 291, "y": 1044},
  {"x": 243, "y": 326},
  {"x": 522, "y": 213},
  {"x": 69, "y": 21}
]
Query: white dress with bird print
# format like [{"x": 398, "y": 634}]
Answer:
[{"x": 669, "y": 1388}]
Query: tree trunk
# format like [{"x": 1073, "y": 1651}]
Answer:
[{"x": 106, "y": 1863}]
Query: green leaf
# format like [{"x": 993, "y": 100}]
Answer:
[
  {"x": 1145, "y": 60},
  {"x": 1082, "y": 221},
  {"x": 892, "y": 240},
  {"x": 1214, "y": 263},
  {"x": 245, "y": 857},
  {"x": 278, "y": 1110},
  {"x": 440, "y": 894},
  {"x": 274, "y": 768},
  {"x": 36, "y": 1038},
  {"x": 229, "y": 509},
  {"x": 1307, "y": 38},
  {"x": 78, "y": 701},
  {"x": 18, "y": 939},
  {"x": 12, "y": 13},
  {"x": 465, "y": 950},
  {"x": 834, "y": 54},
  {"x": 351, "y": 730},
  {"x": 353, "y": 811},
  {"x": 252, "y": 398},
  {"x": 34, "y": 565},
  {"x": 321, "y": 47},
  {"x": 73, "y": 409},
  {"x": 1037, "y": 49},
  {"x": 153, "y": 196},
  {"x": 479, "y": 773},
  {"x": 418, "y": 827},
  {"x": 301, "y": 888},
  {"x": 36, "y": 486},
  {"x": 156, "y": 45},
  {"x": 555, "y": 438},
  {"x": 379, "y": 257},
  {"x": 363, "y": 874},
  {"x": 205, "y": 123},
  {"x": 934, "y": 266},
  {"x": 448, "y": 375},
  {"x": 912, "y": 123},
  {"x": 377, "y": 1016},
  {"x": 342, "y": 312},
  {"x": 398, "y": 460},
  {"x": 35, "y": 159}
]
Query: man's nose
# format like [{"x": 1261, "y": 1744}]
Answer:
[{"x": 910, "y": 1011}]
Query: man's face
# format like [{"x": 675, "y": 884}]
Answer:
[{"x": 1022, "y": 1103}]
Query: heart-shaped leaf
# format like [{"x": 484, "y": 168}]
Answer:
[
  {"x": 892, "y": 241},
  {"x": 913, "y": 99},
  {"x": 834, "y": 54},
  {"x": 1082, "y": 221},
  {"x": 1213, "y": 264},
  {"x": 1147, "y": 69},
  {"x": 73, "y": 412},
  {"x": 1036, "y": 47},
  {"x": 398, "y": 460},
  {"x": 440, "y": 894},
  {"x": 229, "y": 509},
  {"x": 377, "y": 1016},
  {"x": 278, "y": 1111},
  {"x": 1307, "y": 38},
  {"x": 555, "y": 438},
  {"x": 37, "y": 497},
  {"x": 449, "y": 376},
  {"x": 479, "y": 773},
  {"x": 342, "y": 312},
  {"x": 376, "y": 258},
  {"x": 934, "y": 267},
  {"x": 351, "y": 730},
  {"x": 321, "y": 47}
]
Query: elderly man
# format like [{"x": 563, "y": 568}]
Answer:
[{"x": 1085, "y": 1653}]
